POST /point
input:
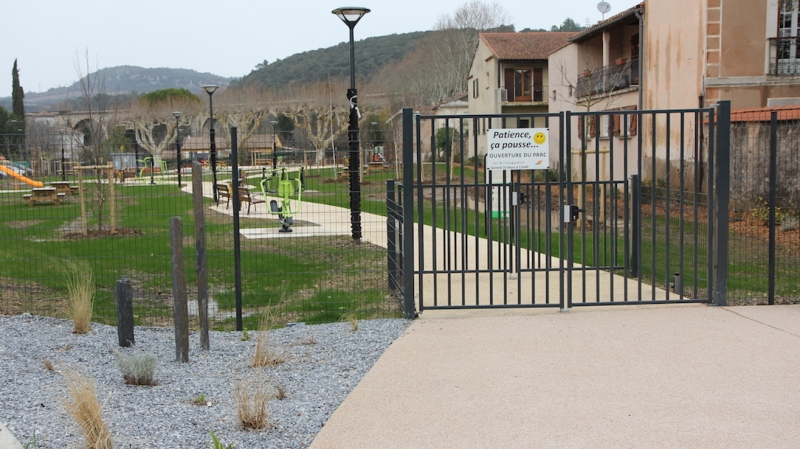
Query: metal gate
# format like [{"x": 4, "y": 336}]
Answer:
[{"x": 623, "y": 214}]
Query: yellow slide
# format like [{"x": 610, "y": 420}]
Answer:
[{"x": 16, "y": 175}]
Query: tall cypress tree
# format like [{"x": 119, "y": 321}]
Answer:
[{"x": 17, "y": 94}]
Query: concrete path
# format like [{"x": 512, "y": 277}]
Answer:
[{"x": 631, "y": 376}]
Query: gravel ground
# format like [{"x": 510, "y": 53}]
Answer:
[{"x": 323, "y": 363}]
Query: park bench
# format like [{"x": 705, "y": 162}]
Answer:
[
  {"x": 223, "y": 191},
  {"x": 246, "y": 196},
  {"x": 43, "y": 195}
]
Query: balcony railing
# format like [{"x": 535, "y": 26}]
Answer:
[
  {"x": 537, "y": 94},
  {"x": 784, "y": 58},
  {"x": 622, "y": 75}
]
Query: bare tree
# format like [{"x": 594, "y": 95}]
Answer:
[
  {"x": 438, "y": 68},
  {"x": 101, "y": 115}
]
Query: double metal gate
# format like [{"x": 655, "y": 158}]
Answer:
[{"x": 625, "y": 213}]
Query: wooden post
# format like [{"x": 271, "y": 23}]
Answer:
[
  {"x": 123, "y": 294},
  {"x": 84, "y": 225},
  {"x": 180, "y": 309},
  {"x": 112, "y": 203},
  {"x": 200, "y": 252}
]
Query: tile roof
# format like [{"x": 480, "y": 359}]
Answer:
[
  {"x": 763, "y": 114},
  {"x": 606, "y": 23},
  {"x": 525, "y": 46}
]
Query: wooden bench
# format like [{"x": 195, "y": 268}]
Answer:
[
  {"x": 378, "y": 165},
  {"x": 223, "y": 191},
  {"x": 246, "y": 196}
]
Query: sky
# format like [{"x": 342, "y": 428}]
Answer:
[{"x": 49, "y": 38}]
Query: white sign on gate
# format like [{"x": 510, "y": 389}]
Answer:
[{"x": 518, "y": 149}]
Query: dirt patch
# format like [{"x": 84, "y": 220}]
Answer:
[
  {"x": 103, "y": 232},
  {"x": 22, "y": 224}
]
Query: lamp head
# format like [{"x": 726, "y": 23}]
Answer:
[
  {"x": 177, "y": 114},
  {"x": 210, "y": 88},
  {"x": 350, "y": 15},
  {"x": 274, "y": 122}
]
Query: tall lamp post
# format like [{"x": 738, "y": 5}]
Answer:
[
  {"x": 274, "y": 147},
  {"x": 63, "y": 162},
  {"x": 350, "y": 15},
  {"x": 210, "y": 89},
  {"x": 177, "y": 115}
]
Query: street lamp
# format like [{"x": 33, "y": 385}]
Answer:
[
  {"x": 210, "y": 89},
  {"x": 63, "y": 163},
  {"x": 177, "y": 115},
  {"x": 274, "y": 153},
  {"x": 350, "y": 15}
]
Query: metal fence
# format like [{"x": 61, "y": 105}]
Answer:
[
  {"x": 765, "y": 207},
  {"x": 110, "y": 215}
]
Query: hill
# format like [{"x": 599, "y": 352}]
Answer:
[
  {"x": 123, "y": 80},
  {"x": 334, "y": 62}
]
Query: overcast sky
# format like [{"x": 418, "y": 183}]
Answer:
[{"x": 226, "y": 38}]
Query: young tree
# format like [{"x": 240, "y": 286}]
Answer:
[{"x": 17, "y": 94}]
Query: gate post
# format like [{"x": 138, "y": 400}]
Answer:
[
  {"x": 391, "y": 241},
  {"x": 722, "y": 198},
  {"x": 408, "y": 214}
]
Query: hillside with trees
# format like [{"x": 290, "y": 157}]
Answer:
[{"x": 333, "y": 62}]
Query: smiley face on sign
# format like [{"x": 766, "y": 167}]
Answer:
[{"x": 539, "y": 138}]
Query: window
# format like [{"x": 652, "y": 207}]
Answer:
[
  {"x": 475, "y": 88},
  {"x": 625, "y": 124},
  {"x": 787, "y": 38},
  {"x": 605, "y": 122}
]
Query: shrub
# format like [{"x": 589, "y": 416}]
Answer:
[
  {"x": 252, "y": 397},
  {"x": 265, "y": 353},
  {"x": 761, "y": 212},
  {"x": 80, "y": 291},
  {"x": 138, "y": 367},
  {"x": 84, "y": 407}
]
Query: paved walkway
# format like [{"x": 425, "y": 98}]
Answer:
[{"x": 631, "y": 376}]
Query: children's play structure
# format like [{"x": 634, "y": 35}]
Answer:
[
  {"x": 19, "y": 177},
  {"x": 286, "y": 189}
]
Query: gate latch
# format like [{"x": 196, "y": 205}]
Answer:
[{"x": 571, "y": 212}]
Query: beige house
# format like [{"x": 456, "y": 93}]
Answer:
[
  {"x": 676, "y": 54},
  {"x": 509, "y": 75}
]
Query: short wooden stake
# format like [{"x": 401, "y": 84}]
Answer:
[
  {"x": 180, "y": 308},
  {"x": 123, "y": 294}
]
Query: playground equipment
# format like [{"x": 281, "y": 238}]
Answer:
[
  {"x": 151, "y": 163},
  {"x": 287, "y": 187},
  {"x": 19, "y": 177}
]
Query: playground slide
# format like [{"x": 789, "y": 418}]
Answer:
[{"x": 20, "y": 177}]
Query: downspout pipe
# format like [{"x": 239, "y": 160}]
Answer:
[{"x": 638, "y": 13}]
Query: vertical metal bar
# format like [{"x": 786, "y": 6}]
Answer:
[
  {"x": 626, "y": 244},
  {"x": 476, "y": 208},
  {"x": 566, "y": 225},
  {"x": 681, "y": 208},
  {"x": 667, "y": 200},
  {"x": 237, "y": 257},
  {"x": 391, "y": 243},
  {"x": 419, "y": 186},
  {"x": 408, "y": 214},
  {"x": 773, "y": 193},
  {"x": 653, "y": 221},
  {"x": 463, "y": 211},
  {"x": 698, "y": 164},
  {"x": 435, "y": 219},
  {"x": 711, "y": 200},
  {"x": 723, "y": 194},
  {"x": 636, "y": 225}
]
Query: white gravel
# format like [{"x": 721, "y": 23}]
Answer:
[{"x": 323, "y": 364}]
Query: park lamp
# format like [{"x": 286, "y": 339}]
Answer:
[
  {"x": 351, "y": 15},
  {"x": 177, "y": 115},
  {"x": 210, "y": 89}
]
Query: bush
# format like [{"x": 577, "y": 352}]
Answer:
[
  {"x": 138, "y": 367},
  {"x": 84, "y": 407},
  {"x": 80, "y": 291}
]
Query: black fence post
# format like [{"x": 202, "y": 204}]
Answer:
[
  {"x": 123, "y": 293},
  {"x": 773, "y": 194},
  {"x": 237, "y": 261},
  {"x": 723, "y": 179},
  {"x": 408, "y": 213}
]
